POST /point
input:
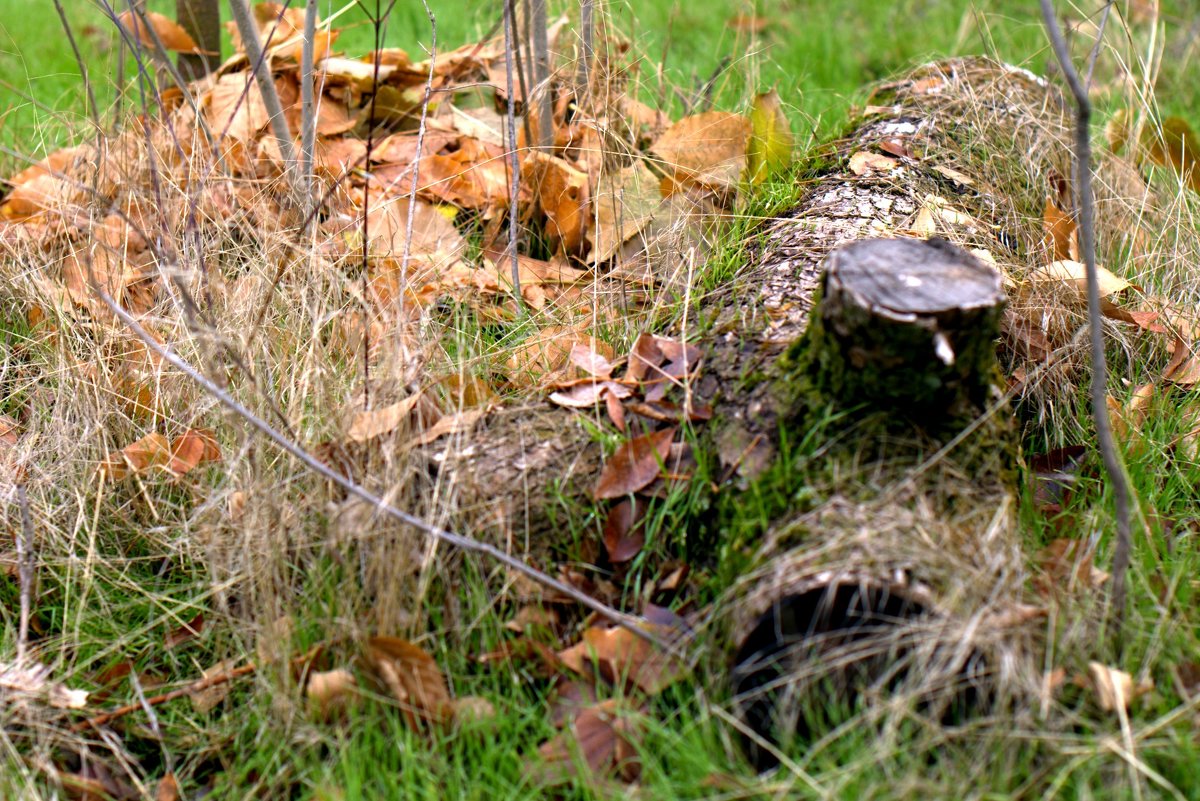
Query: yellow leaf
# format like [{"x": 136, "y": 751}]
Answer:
[
  {"x": 1074, "y": 274},
  {"x": 771, "y": 140}
]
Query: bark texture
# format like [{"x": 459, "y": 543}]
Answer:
[{"x": 973, "y": 142}]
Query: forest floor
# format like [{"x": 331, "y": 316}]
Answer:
[{"x": 239, "y": 562}]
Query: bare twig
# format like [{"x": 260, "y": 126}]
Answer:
[
  {"x": 587, "y": 33},
  {"x": 540, "y": 58},
  {"x": 460, "y": 541},
  {"x": 416, "y": 165},
  {"x": 1087, "y": 242},
  {"x": 510, "y": 44},
  {"x": 93, "y": 109},
  {"x": 199, "y": 685},
  {"x": 308, "y": 116},
  {"x": 266, "y": 86},
  {"x": 25, "y": 572}
]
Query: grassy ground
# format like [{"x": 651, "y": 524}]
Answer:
[{"x": 134, "y": 574}]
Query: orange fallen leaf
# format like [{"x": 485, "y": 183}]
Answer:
[
  {"x": 172, "y": 36},
  {"x": 194, "y": 447},
  {"x": 1060, "y": 234},
  {"x": 185, "y": 633},
  {"x": 457, "y": 423},
  {"x": 330, "y": 692},
  {"x": 623, "y": 656},
  {"x": 634, "y": 464},
  {"x": 152, "y": 450}
]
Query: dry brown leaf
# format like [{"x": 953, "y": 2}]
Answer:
[
  {"x": 329, "y": 693},
  {"x": 621, "y": 657},
  {"x": 602, "y": 735},
  {"x": 562, "y": 192},
  {"x": 707, "y": 148},
  {"x": 185, "y": 633},
  {"x": 624, "y": 533},
  {"x": 1060, "y": 234},
  {"x": 865, "y": 161},
  {"x": 1184, "y": 367},
  {"x": 377, "y": 422},
  {"x": 172, "y": 36},
  {"x": 208, "y": 698},
  {"x": 1115, "y": 688},
  {"x": 1127, "y": 419},
  {"x": 625, "y": 202},
  {"x": 634, "y": 464},
  {"x": 235, "y": 107},
  {"x": 413, "y": 677},
  {"x": 458, "y": 423},
  {"x": 152, "y": 450},
  {"x": 168, "y": 788}
]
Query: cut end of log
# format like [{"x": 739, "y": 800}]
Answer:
[{"x": 909, "y": 326}]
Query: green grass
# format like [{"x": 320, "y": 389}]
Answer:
[{"x": 126, "y": 586}]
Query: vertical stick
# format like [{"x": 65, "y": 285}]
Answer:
[
  {"x": 510, "y": 43},
  {"x": 25, "y": 572},
  {"x": 308, "y": 117},
  {"x": 202, "y": 20},
  {"x": 540, "y": 57},
  {"x": 1087, "y": 244}
]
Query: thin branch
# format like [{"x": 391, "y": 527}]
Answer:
[
  {"x": 510, "y": 43},
  {"x": 540, "y": 57},
  {"x": 460, "y": 541},
  {"x": 93, "y": 109},
  {"x": 308, "y": 116},
  {"x": 266, "y": 86},
  {"x": 1087, "y": 236},
  {"x": 25, "y": 561},
  {"x": 197, "y": 686}
]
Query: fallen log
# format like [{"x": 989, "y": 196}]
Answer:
[{"x": 965, "y": 149}]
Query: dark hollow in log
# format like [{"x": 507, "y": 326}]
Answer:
[{"x": 908, "y": 324}]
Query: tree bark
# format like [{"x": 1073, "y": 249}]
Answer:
[
  {"x": 202, "y": 20},
  {"x": 546, "y": 459}
]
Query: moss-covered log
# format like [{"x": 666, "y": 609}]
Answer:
[{"x": 978, "y": 141}]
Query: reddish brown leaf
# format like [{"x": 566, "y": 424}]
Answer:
[
  {"x": 1060, "y": 236},
  {"x": 185, "y": 633},
  {"x": 624, "y": 535},
  {"x": 168, "y": 789},
  {"x": 413, "y": 678},
  {"x": 601, "y": 735},
  {"x": 634, "y": 464},
  {"x": 1067, "y": 564}
]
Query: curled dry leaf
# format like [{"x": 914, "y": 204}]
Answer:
[
  {"x": 625, "y": 203},
  {"x": 194, "y": 447},
  {"x": 168, "y": 789},
  {"x": 1115, "y": 689},
  {"x": 865, "y": 161},
  {"x": 376, "y": 422},
  {"x": 1184, "y": 367},
  {"x": 172, "y": 36},
  {"x": 185, "y": 632},
  {"x": 413, "y": 678},
  {"x": 31, "y": 683},
  {"x": 1073, "y": 274},
  {"x": 601, "y": 736},
  {"x": 1060, "y": 234},
  {"x": 330, "y": 692},
  {"x": 457, "y": 423},
  {"x": 621, "y": 656},
  {"x": 585, "y": 395},
  {"x": 634, "y": 464}
]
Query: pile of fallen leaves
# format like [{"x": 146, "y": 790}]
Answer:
[{"x": 412, "y": 191}]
